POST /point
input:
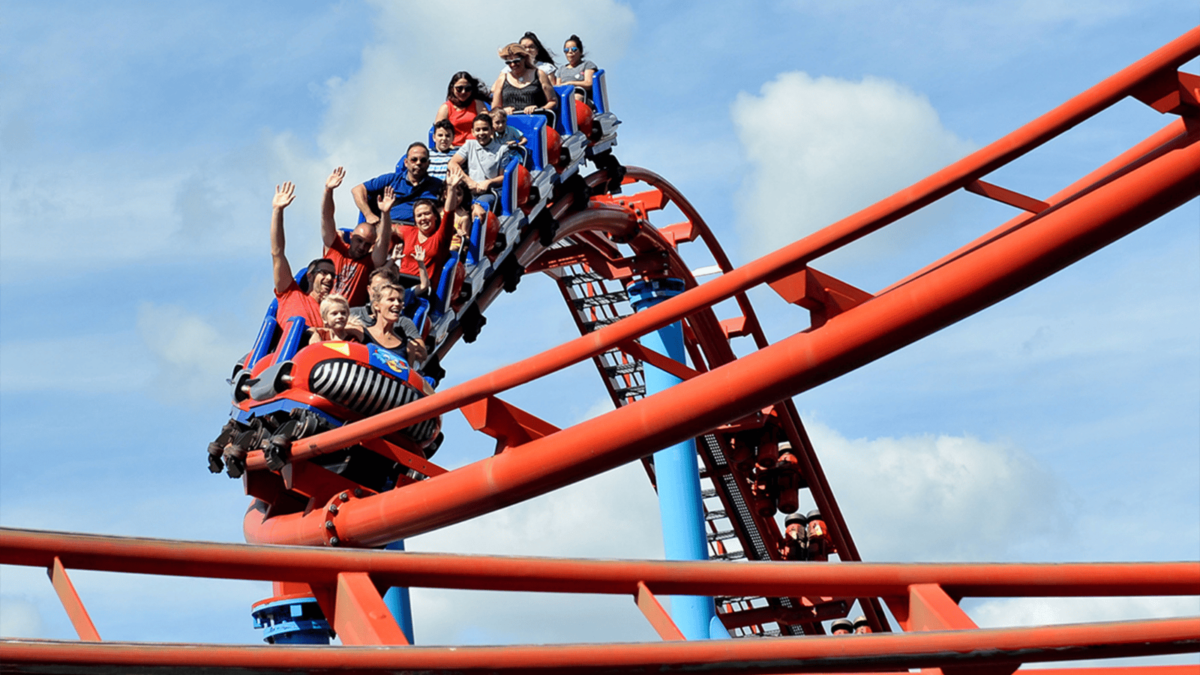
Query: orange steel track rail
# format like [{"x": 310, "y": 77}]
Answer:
[
  {"x": 849, "y": 330},
  {"x": 923, "y": 597},
  {"x": 1152, "y": 179}
]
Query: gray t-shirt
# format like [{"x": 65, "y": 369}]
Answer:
[
  {"x": 484, "y": 162},
  {"x": 567, "y": 74}
]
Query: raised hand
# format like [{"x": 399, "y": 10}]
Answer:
[
  {"x": 387, "y": 200},
  {"x": 418, "y": 254},
  {"x": 335, "y": 178},
  {"x": 284, "y": 194}
]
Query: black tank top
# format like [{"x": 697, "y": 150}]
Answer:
[{"x": 520, "y": 98}]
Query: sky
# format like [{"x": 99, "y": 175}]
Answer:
[{"x": 140, "y": 143}]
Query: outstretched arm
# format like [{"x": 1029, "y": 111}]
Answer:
[
  {"x": 328, "y": 226},
  {"x": 281, "y": 270},
  {"x": 383, "y": 231}
]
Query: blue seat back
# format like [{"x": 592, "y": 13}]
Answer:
[
  {"x": 599, "y": 92},
  {"x": 534, "y": 127},
  {"x": 508, "y": 192},
  {"x": 566, "y": 123}
]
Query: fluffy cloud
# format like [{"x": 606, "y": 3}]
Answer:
[
  {"x": 823, "y": 148},
  {"x": 940, "y": 497},
  {"x": 192, "y": 355}
]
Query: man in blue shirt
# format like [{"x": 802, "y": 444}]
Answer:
[{"x": 409, "y": 186}]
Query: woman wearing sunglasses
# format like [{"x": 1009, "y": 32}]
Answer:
[
  {"x": 523, "y": 89},
  {"x": 577, "y": 71},
  {"x": 465, "y": 99}
]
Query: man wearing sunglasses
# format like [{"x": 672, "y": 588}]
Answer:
[{"x": 410, "y": 185}]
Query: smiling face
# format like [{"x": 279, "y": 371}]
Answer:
[
  {"x": 425, "y": 218},
  {"x": 320, "y": 283},
  {"x": 461, "y": 90},
  {"x": 483, "y": 131},
  {"x": 389, "y": 305}
]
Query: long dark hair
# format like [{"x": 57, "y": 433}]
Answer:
[
  {"x": 541, "y": 54},
  {"x": 578, "y": 43},
  {"x": 478, "y": 91}
]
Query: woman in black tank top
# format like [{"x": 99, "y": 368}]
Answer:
[{"x": 524, "y": 89}]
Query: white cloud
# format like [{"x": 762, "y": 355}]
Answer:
[
  {"x": 193, "y": 356},
  {"x": 941, "y": 497},
  {"x": 1052, "y": 611},
  {"x": 823, "y": 148}
]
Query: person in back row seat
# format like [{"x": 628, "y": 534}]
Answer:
[
  {"x": 524, "y": 89},
  {"x": 466, "y": 97}
]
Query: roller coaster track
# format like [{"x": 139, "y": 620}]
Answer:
[{"x": 592, "y": 239}]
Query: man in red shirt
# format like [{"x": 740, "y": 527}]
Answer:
[
  {"x": 302, "y": 300},
  {"x": 352, "y": 261}
]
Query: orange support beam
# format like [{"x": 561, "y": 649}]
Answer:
[
  {"x": 360, "y": 617},
  {"x": 654, "y": 612},
  {"x": 71, "y": 602},
  {"x": 505, "y": 422}
]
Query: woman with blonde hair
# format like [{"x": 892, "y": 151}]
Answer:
[{"x": 523, "y": 89}]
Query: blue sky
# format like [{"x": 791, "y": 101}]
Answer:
[{"x": 139, "y": 143}]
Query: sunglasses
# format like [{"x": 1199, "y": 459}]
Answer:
[
  {"x": 462, "y": 89},
  {"x": 570, "y": 50},
  {"x": 513, "y": 62}
]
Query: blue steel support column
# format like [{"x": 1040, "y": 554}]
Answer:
[
  {"x": 397, "y": 601},
  {"x": 676, "y": 472}
]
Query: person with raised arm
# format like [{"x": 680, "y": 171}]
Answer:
[
  {"x": 352, "y": 261},
  {"x": 296, "y": 299}
]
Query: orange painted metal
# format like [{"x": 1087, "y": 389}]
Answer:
[
  {"x": 321, "y": 566},
  {"x": 655, "y": 614},
  {"x": 778, "y": 264},
  {"x": 975, "y": 648},
  {"x": 78, "y": 614},
  {"x": 849, "y": 340},
  {"x": 360, "y": 617}
]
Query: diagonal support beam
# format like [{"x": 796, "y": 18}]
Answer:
[
  {"x": 505, "y": 422},
  {"x": 1004, "y": 196},
  {"x": 360, "y": 617},
  {"x": 71, "y": 602},
  {"x": 654, "y": 612},
  {"x": 660, "y": 361},
  {"x": 824, "y": 296}
]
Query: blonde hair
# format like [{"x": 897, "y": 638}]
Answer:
[
  {"x": 515, "y": 49},
  {"x": 330, "y": 300}
]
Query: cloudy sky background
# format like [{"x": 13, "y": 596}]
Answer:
[{"x": 140, "y": 142}]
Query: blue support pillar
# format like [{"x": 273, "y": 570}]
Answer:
[
  {"x": 397, "y": 601},
  {"x": 676, "y": 472}
]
